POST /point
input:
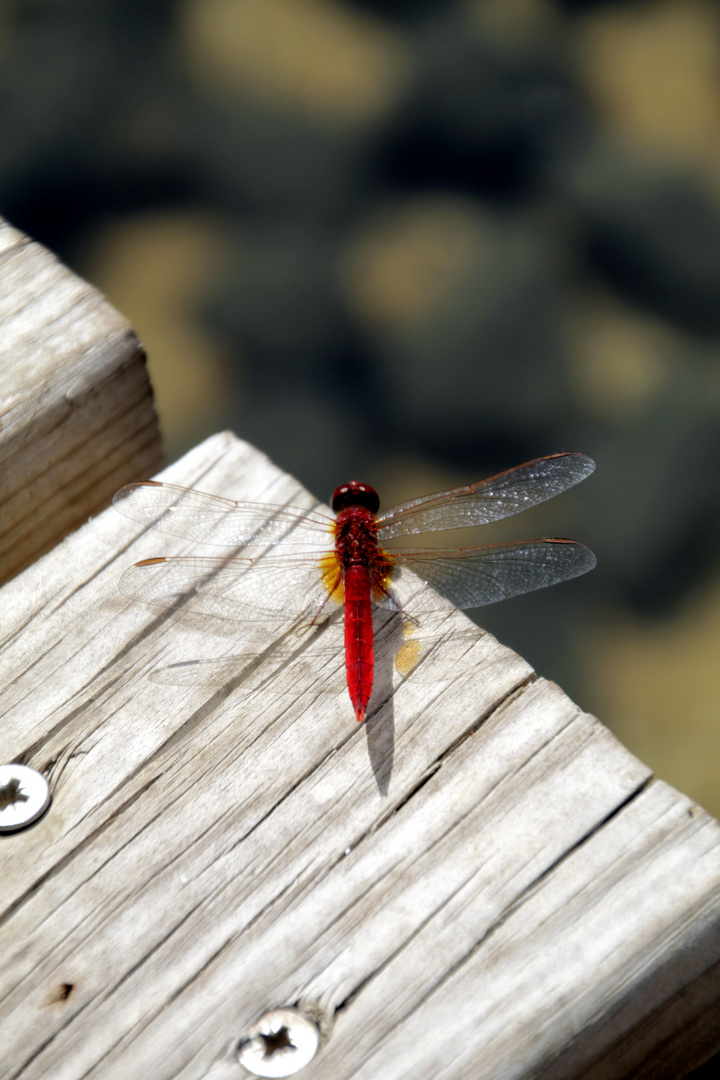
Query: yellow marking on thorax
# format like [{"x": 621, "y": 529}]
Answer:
[{"x": 331, "y": 573}]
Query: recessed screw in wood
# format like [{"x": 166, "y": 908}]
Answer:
[
  {"x": 24, "y": 796},
  {"x": 280, "y": 1043}
]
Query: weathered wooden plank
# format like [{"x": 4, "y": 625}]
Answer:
[
  {"x": 480, "y": 881},
  {"x": 76, "y": 412}
]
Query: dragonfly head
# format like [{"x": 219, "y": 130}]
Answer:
[{"x": 355, "y": 494}]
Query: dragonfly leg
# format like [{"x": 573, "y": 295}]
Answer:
[
  {"x": 335, "y": 585},
  {"x": 394, "y": 606}
]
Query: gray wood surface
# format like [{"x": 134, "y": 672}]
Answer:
[
  {"x": 76, "y": 413},
  {"x": 478, "y": 882}
]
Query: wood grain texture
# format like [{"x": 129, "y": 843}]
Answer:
[
  {"x": 76, "y": 413},
  {"x": 479, "y": 882}
]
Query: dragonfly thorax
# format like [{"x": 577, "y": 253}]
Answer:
[{"x": 355, "y": 536}]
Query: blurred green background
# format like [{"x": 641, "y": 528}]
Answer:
[{"x": 415, "y": 242}]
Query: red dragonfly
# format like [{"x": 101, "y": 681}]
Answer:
[{"x": 344, "y": 562}]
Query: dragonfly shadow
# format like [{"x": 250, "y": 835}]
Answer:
[
  {"x": 380, "y": 724},
  {"x": 391, "y": 639}
]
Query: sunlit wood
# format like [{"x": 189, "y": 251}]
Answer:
[
  {"x": 479, "y": 882},
  {"x": 76, "y": 412}
]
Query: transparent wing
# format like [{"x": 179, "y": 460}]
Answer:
[
  {"x": 475, "y": 576},
  {"x": 211, "y": 519},
  {"x": 489, "y": 500},
  {"x": 244, "y": 590}
]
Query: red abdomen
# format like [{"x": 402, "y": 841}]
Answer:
[{"x": 359, "y": 653}]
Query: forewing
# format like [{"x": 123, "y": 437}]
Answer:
[
  {"x": 211, "y": 519},
  {"x": 475, "y": 576},
  {"x": 489, "y": 500},
  {"x": 244, "y": 590}
]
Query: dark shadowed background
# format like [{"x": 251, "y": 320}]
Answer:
[{"x": 416, "y": 242}]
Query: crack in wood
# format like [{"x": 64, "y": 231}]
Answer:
[
  {"x": 68, "y": 858},
  {"x": 528, "y": 891},
  {"x": 357, "y": 990}
]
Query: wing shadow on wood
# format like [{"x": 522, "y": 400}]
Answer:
[
  {"x": 281, "y": 667},
  {"x": 306, "y": 659}
]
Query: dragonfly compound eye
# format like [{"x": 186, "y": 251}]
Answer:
[{"x": 355, "y": 494}]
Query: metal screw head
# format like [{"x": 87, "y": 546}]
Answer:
[
  {"x": 24, "y": 796},
  {"x": 280, "y": 1043}
]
